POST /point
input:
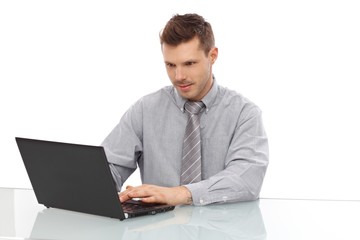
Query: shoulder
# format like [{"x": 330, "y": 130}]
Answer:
[
  {"x": 155, "y": 99},
  {"x": 149, "y": 104},
  {"x": 163, "y": 94},
  {"x": 235, "y": 101}
]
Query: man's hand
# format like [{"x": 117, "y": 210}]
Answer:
[{"x": 155, "y": 194}]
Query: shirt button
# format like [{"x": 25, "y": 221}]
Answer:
[{"x": 201, "y": 201}]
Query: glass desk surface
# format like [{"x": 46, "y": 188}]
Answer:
[{"x": 21, "y": 217}]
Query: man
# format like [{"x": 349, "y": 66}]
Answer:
[{"x": 218, "y": 153}]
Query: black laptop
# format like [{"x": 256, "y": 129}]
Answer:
[{"x": 77, "y": 177}]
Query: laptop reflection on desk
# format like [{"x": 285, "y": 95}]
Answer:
[
  {"x": 54, "y": 223},
  {"x": 227, "y": 221}
]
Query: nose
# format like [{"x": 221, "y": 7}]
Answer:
[{"x": 179, "y": 74}]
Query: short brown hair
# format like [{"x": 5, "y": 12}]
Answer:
[{"x": 183, "y": 28}]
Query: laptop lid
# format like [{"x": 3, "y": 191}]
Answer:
[{"x": 74, "y": 177}]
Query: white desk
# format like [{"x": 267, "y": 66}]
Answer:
[{"x": 21, "y": 217}]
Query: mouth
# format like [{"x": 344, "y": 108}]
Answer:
[{"x": 184, "y": 87}]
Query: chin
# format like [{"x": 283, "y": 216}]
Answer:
[{"x": 187, "y": 96}]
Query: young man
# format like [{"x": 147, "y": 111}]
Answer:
[{"x": 218, "y": 153}]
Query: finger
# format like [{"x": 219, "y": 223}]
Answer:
[
  {"x": 138, "y": 193},
  {"x": 128, "y": 188},
  {"x": 131, "y": 193},
  {"x": 145, "y": 191},
  {"x": 151, "y": 199},
  {"x": 124, "y": 195},
  {"x": 148, "y": 196}
]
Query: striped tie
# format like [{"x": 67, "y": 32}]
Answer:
[{"x": 191, "y": 161}]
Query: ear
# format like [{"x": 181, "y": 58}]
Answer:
[{"x": 213, "y": 54}]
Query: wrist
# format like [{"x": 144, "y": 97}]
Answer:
[{"x": 187, "y": 196}]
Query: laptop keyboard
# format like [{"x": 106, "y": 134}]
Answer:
[{"x": 131, "y": 206}]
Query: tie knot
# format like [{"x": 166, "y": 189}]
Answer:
[{"x": 194, "y": 107}]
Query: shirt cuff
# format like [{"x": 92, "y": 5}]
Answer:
[
  {"x": 202, "y": 194},
  {"x": 199, "y": 193}
]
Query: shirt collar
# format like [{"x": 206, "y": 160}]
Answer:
[{"x": 208, "y": 100}]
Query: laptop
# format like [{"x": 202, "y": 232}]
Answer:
[{"x": 77, "y": 177}]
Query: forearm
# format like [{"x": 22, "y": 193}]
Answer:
[{"x": 238, "y": 182}]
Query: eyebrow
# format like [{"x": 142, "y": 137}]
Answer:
[{"x": 183, "y": 63}]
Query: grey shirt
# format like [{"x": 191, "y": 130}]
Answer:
[{"x": 233, "y": 140}]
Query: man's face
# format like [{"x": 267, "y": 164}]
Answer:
[{"x": 189, "y": 69}]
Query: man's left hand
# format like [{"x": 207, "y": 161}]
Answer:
[{"x": 155, "y": 194}]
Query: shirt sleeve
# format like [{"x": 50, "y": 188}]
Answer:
[
  {"x": 246, "y": 163},
  {"x": 123, "y": 146}
]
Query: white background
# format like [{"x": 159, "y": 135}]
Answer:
[{"x": 70, "y": 69}]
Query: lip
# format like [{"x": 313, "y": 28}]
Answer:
[{"x": 185, "y": 87}]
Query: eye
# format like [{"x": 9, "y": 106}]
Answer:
[
  {"x": 190, "y": 63},
  {"x": 169, "y": 65}
]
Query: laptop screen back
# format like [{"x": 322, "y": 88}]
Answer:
[{"x": 71, "y": 176}]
